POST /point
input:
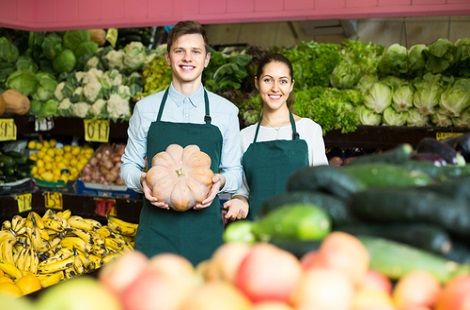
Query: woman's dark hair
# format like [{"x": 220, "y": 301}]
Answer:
[
  {"x": 186, "y": 27},
  {"x": 276, "y": 57}
]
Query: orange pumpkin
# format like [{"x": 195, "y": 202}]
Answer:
[{"x": 181, "y": 177}]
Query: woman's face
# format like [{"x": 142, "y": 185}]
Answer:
[
  {"x": 274, "y": 85},
  {"x": 188, "y": 58}
]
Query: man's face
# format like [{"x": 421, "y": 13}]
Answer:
[{"x": 188, "y": 58}]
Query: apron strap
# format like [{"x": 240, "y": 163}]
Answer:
[
  {"x": 162, "y": 104},
  {"x": 295, "y": 134},
  {"x": 207, "y": 117}
]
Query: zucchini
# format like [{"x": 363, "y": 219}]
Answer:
[
  {"x": 454, "y": 171},
  {"x": 325, "y": 179},
  {"x": 395, "y": 259},
  {"x": 297, "y": 247},
  {"x": 293, "y": 222},
  {"x": 455, "y": 189},
  {"x": 387, "y": 175},
  {"x": 428, "y": 237},
  {"x": 426, "y": 167},
  {"x": 396, "y": 155},
  {"x": 412, "y": 205},
  {"x": 335, "y": 208}
]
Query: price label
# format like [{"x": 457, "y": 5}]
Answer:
[
  {"x": 111, "y": 36},
  {"x": 7, "y": 129},
  {"x": 105, "y": 207},
  {"x": 53, "y": 200},
  {"x": 24, "y": 202},
  {"x": 442, "y": 135},
  {"x": 96, "y": 130},
  {"x": 44, "y": 124}
]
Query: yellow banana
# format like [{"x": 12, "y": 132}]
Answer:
[
  {"x": 54, "y": 243},
  {"x": 85, "y": 261},
  {"x": 36, "y": 219},
  {"x": 65, "y": 214},
  {"x": 93, "y": 222},
  {"x": 56, "y": 223},
  {"x": 106, "y": 259},
  {"x": 11, "y": 270},
  {"x": 6, "y": 225},
  {"x": 75, "y": 243},
  {"x": 49, "y": 213},
  {"x": 44, "y": 234},
  {"x": 78, "y": 222},
  {"x": 6, "y": 249},
  {"x": 60, "y": 255},
  {"x": 37, "y": 242},
  {"x": 96, "y": 238},
  {"x": 33, "y": 266},
  {"x": 98, "y": 250},
  {"x": 114, "y": 244},
  {"x": 122, "y": 227},
  {"x": 104, "y": 231},
  {"x": 50, "y": 278},
  {"x": 56, "y": 266},
  {"x": 69, "y": 273},
  {"x": 78, "y": 264},
  {"x": 85, "y": 235},
  {"x": 95, "y": 261},
  {"x": 21, "y": 260}
]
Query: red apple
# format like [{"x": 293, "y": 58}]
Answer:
[
  {"x": 268, "y": 273},
  {"x": 171, "y": 265},
  {"x": 226, "y": 260},
  {"x": 157, "y": 291},
  {"x": 416, "y": 289},
  {"x": 119, "y": 273},
  {"x": 323, "y": 289},
  {"x": 346, "y": 253},
  {"x": 377, "y": 280},
  {"x": 216, "y": 295},
  {"x": 455, "y": 295}
]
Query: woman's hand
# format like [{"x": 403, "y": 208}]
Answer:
[
  {"x": 236, "y": 209},
  {"x": 148, "y": 194},
  {"x": 218, "y": 181}
]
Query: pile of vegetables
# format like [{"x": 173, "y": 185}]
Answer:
[{"x": 104, "y": 166}]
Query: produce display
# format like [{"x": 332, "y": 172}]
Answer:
[
  {"x": 104, "y": 166},
  {"x": 181, "y": 177},
  {"x": 39, "y": 251}
]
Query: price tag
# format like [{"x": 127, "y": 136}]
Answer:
[
  {"x": 24, "y": 202},
  {"x": 111, "y": 36},
  {"x": 96, "y": 130},
  {"x": 105, "y": 207},
  {"x": 53, "y": 200},
  {"x": 7, "y": 129},
  {"x": 44, "y": 124},
  {"x": 442, "y": 135}
]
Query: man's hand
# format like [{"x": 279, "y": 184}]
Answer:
[
  {"x": 218, "y": 181},
  {"x": 148, "y": 194},
  {"x": 236, "y": 209}
]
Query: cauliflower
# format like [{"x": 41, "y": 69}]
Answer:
[
  {"x": 135, "y": 55},
  {"x": 115, "y": 59},
  {"x": 97, "y": 108},
  {"x": 124, "y": 92},
  {"x": 118, "y": 107},
  {"x": 58, "y": 91},
  {"x": 115, "y": 77},
  {"x": 92, "y": 90},
  {"x": 80, "y": 109},
  {"x": 64, "y": 107},
  {"x": 93, "y": 62},
  {"x": 79, "y": 75}
]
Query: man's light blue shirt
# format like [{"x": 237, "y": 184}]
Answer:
[{"x": 180, "y": 108}]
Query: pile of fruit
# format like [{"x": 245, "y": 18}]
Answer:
[
  {"x": 104, "y": 166},
  {"x": 58, "y": 245}
]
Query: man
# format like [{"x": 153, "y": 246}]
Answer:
[{"x": 185, "y": 113}]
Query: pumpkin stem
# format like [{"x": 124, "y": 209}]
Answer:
[{"x": 179, "y": 172}]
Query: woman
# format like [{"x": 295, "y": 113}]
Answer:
[
  {"x": 279, "y": 144},
  {"x": 185, "y": 113}
]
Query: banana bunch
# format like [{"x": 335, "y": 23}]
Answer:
[{"x": 122, "y": 227}]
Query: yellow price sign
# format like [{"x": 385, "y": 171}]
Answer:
[
  {"x": 53, "y": 200},
  {"x": 442, "y": 135},
  {"x": 96, "y": 130},
  {"x": 24, "y": 202},
  {"x": 7, "y": 129},
  {"x": 111, "y": 36}
]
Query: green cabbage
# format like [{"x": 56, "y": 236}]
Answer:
[
  {"x": 23, "y": 81},
  {"x": 378, "y": 98},
  {"x": 8, "y": 51},
  {"x": 52, "y": 45},
  {"x": 65, "y": 61},
  {"x": 402, "y": 98},
  {"x": 394, "y": 61},
  {"x": 456, "y": 97},
  {"x": 46, "y": 86}
]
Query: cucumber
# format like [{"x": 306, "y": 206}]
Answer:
[
  {"x": 454, "y": 171},
  {"x": 426, "y": 167},
  {"x": 293, "y": 222},
  {"x": 455, "y": 189},
  {"x": 334, "y": 207},
  {"x": 326, "y": 179},
  {"x": 428, "y": 237},
  {"x": 297, "y": 247},
  {"x": 387, "y": 175},
  {"x": 395, "y": 259},
  {"x": 412, "y": 205},
  {"x": 396, "y": 155}
]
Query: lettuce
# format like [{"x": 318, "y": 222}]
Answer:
[
  {"x": 402, "y": 98},
  {"x": 378, "y": 97},
  {"x": 456, "y": 97},
  {"x": 394, "y": 118}
]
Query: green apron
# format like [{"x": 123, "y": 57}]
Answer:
[
  {"x": 194, "y": 234},
  {"x": 268, "y": 165}
]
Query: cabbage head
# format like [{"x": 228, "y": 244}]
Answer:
[
  {"x": 8, "y": 51},
  {"x": 46, "y": 86},
  {"x": 427, "y": 93},
  {"x": 23, "y": 81},
  {"x": 440, "y": 55},
  {"x": 26, "y": 63},
  {"x": 394, "y": 118},
  {"x": 378, "y": 98},
  {"x": 402, "y": 99},
  {"x": 52, "y": 45},
  {"x": 416, "y": 60},
  {"x": 368, "y": 117},
  {"x": 394, "y": 60},
  {"x": 416, "y": 119},
  {"x": 456, "y": 97},
  {"x": 65, "y": 61}
]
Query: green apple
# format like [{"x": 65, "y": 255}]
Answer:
[
  {"x": 78, "y": 294},
  {"x": 8, "y": 301}
]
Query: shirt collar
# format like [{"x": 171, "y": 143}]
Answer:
[{"x": 195, "y": 98}]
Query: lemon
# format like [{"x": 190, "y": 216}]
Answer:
[
  {"x": 32, "y": 145},
  {"x": 28, "y": 284}
]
